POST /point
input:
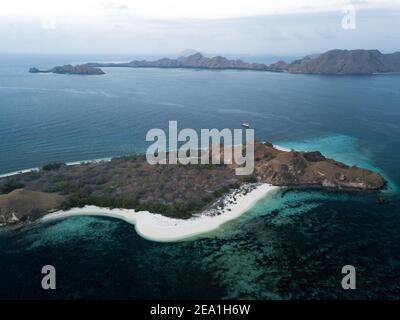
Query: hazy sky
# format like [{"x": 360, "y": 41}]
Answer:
[{"x": 285, "y": 27}]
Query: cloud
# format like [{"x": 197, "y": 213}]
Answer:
[
  {"x": 181, "y": 9},
  {"x": 114, "y": 26},
  {"x": 114, "y": 6}
]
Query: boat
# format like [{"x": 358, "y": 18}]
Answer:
[{"x": 246, "y": 125}]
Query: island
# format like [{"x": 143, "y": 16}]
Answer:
[
  {"x": 173, "y": 191},
  {"x": 70, "y": 69},
  {"x": 194, "y": 61},
  {"x": 333, "y": 62}
]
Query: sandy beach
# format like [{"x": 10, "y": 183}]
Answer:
[{"x": 157, "y": 227}]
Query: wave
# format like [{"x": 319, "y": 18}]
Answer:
[{"x": 71, "y": 163}]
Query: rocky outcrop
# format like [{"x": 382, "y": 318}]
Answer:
[
  {"x": 69, "y": 69},
  {"x": 313, "y": 156},
  {"x": 311, "y": 169},
  {"x": 36, "y": 70},
  {"x": 21, "y": 205}
]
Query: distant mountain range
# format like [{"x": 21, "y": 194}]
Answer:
[
  {"x": 188, "y": 52},
  {"x": 333, "y": 62},
  {"x": 196, "y": 60},
  {"x": 330, "y": 62}
]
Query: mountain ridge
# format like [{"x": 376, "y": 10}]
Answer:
[
  {"x": 196, "y": 60},
  {"x": 346, "y": 62},
  {"x": 332, "y": 62}
]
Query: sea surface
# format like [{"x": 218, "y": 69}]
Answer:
[{"x": 291, "y": 245}]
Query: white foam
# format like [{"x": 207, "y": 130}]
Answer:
[
  {"x": 9, "y": 174},
  {"x": 282, "y": 148},
  {"x": 157, "y": 227},
  {"x": 73, "y": 163}
]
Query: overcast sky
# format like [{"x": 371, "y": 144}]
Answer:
[{"x": 257, "y": 27}]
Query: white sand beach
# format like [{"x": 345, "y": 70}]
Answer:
[{"x": 157, "y": 227}]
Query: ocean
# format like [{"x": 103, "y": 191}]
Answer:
[{"x": 291, "y": 245}]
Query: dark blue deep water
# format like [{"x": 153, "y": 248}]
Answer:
[{"x": 291, "y": 245}]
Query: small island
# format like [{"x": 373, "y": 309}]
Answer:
[
  {"x": 174, "y": 191},
  {"x": 70, "y": 69}
]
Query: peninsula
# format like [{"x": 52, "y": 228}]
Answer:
[{"x": 174, "y": 191}]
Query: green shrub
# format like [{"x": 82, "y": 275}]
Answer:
[
  {"x": 53, "y": 166},
  {"x": 10, "y": 185},
  {"x": 176, "y": 211}
]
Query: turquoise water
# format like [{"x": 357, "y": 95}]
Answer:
[{"x": 291, "y": 245}]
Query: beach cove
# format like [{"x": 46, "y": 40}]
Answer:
[{"x": 156, "y": 227}]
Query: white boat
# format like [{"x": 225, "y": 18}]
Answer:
[{"x": 246, "y": 125}]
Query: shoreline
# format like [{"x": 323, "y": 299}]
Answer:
[
  {"x": 159, "y": 228},
  {"x": 72, "y": 163}
]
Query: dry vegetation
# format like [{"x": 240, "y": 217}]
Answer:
[{"x": 172, "y": 190}]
